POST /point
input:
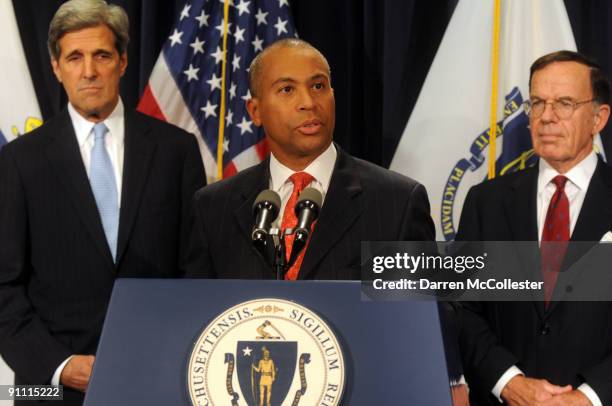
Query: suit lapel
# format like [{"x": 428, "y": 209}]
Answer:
[
  {"x": 521, "y": 212},
  {"x": 138, "y": 153},
  {"x": 593, "y": 222},
  {"x": 251, "y": 185},
  {"x": 340, "y": 209},
  {"x": 65, "y": 157},
  {"x": 594, "y": 218},
  {"x": 521, "y": 208}
]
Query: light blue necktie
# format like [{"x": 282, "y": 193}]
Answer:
[{"x": 102, "y": 178}]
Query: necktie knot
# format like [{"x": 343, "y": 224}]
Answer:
[
  {"x": 559, "y": 182},
  {"x": 300, "y": 180},
  {"x": 99, "y": 131}
]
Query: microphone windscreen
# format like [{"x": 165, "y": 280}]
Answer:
[
  {"x": 268, "y": 196},
  {"x": 311, "y": 194}
]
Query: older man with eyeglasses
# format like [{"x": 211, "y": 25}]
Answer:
[{"x": 555, "y": 353}]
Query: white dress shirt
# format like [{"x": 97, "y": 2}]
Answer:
[
  {"x": 321, "y": 170},
  {"x": 576, "y": 187},
  {"x": 114, "y": 143}
]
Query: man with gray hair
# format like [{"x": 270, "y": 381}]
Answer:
[
  {"x": 96, "y": 193},
  {"x": 555, "y": 351}
]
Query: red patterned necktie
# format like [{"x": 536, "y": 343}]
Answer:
[
  {"x": 300, "y": 180},
  {"x": 555, "y": 237}
]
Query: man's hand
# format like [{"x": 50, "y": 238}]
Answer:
[
  {"x": 521, "y": 390},
  {"x": 573, "y": 398},
  {"x": 77, "y": 371},
  {"x": 459, "y": 395}
]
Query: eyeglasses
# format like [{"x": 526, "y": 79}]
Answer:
[{"x": 563, "y": 108}]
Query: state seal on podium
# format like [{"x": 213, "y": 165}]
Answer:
[{"x": 266, "y": 352}]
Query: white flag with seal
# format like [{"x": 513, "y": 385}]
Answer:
[
  {"x": 19, "y": 112},
  {"x": 445, "y": 144}
]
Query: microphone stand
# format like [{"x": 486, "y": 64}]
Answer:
[
  {"x": 280, "y": 257},
  {"x": 280, "y": 253}
]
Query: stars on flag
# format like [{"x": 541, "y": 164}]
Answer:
[
  {"x": 247, "y": 96},
  {"x": 192, "y": 73},
  {"x": 257, "y": 44},
  {"x": 203, "y": 19},
  {"x": 175, "y": 38},
  {"x": 214, "y": 82},
  {"x": 261, "y": 17},
  {"x": 245, "y": 126},
  {"x": 197, "y": 45},
  {"x": 281, "y": 26},
  {"x": 221, "y": 27},
  {"x": 210, "y": 109},
  {"x": 235, "y": 63},
  {"x": 239, "y": 35},
  {"x": 218, "y": 55},
  {"x": 243, "y": 7},
  {"x": 185, "y": 12},
  {"x": 194, "y": 54}
]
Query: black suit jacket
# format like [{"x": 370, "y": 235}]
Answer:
[
  {"x": 56, "y": 269},
  {"x": 570, "y": 342},
  {"x": 364, "y": 202}
]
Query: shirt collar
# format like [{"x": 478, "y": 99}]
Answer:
[
  {"x": 321, "y": 169},
  {"x": 580, "y": 175},
  {"x": 83, "y": 127}
]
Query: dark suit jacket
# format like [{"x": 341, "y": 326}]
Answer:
[
  {"x": 570, "y": 342},
  {"x": 364, "y": 202},
  {"x": 56, "y": 270}
]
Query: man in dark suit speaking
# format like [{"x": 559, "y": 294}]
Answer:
[
  {"x": 293, "y": 99},
  {"x": 548, "y": 352},
  {"x": 96, "y": 193}
]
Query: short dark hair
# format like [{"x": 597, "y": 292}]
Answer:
[
  {"x": 256, "y": 64},
  {"x": 600, "y": 85}
]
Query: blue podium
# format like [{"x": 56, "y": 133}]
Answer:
[{"x": 393, "y": 352}]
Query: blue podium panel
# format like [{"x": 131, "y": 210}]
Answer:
[{"x": 393, "y": 351}]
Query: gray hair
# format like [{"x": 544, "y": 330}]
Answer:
[
  {"x": 257, "y": 62},
  {"x": 78, "y": 14}
]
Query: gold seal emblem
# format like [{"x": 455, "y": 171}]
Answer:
[{"x": 266, "y": 352}]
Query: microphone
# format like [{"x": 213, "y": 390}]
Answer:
[
  {"x": 265, "y": 210},
  {"x": 307, "y": 210}
]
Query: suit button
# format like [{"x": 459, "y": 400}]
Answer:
[
  {"x": 569, "y": 289},
  {"x": 545, "y": 330}
]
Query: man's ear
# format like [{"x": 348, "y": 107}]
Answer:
[
  {"x": 601, "y": 118},
  {"x": 252, "y": 106},
  {"x": 123, "y": 62},
  {"x": 56, "y": 70}
]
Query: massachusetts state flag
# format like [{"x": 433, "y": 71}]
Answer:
[
  {"x": 19, "y": 112},
  {"x": 446, "y": 142},
  {"x": 187, "y": 82}
]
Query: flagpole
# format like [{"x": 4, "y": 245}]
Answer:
[
  {"x": 494, "y": 89},
  {"x": 221, "y": 132}
]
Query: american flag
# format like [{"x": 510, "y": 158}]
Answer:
[{"x": 186, "y": 83}]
